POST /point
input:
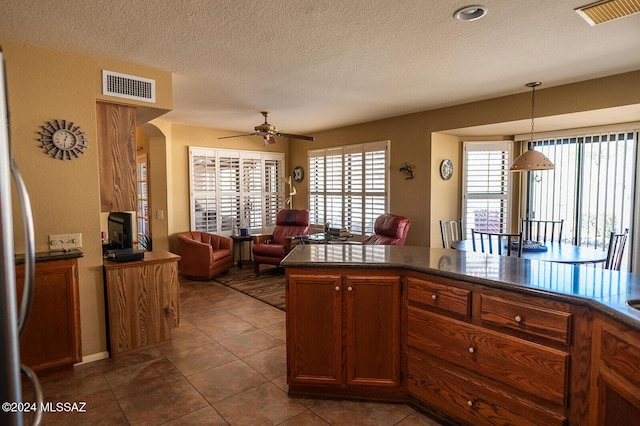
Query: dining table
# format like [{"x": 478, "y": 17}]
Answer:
[{"x": 554, "y": 252}]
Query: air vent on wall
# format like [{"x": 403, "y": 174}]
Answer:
[
  {"x": 608, "y": 10},
  {"x": 128, "y": 86}
]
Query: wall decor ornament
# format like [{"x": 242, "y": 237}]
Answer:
[
  {"x": 446, "y": 169},
  {"x": 298, "y": 174},
  {"x": 63, "y": 139},
  {"x": 408, "y": 170}
]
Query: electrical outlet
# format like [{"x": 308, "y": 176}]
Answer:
[{"x": 64, "y": 242}]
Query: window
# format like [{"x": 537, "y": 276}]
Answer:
[
  {"x": 591, "y": 187},
  {"x": 486, "y": 195},
  {"x": 142, "y": 213},
  {"x": 348, "y": 186},
  {"x": 231, "y": 189}
]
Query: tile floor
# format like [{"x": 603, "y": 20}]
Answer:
[{"x": 224, "y": 365}]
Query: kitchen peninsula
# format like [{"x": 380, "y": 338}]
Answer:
[{"x": 467, "y": 337}]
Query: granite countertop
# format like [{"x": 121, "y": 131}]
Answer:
[
  {"x": 48, "y": 256},
  {"x": 604, "y": 290}
]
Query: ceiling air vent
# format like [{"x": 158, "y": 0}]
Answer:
[
  {"x": 128, "y": 86},
  {"x": 608, "y": 10}
]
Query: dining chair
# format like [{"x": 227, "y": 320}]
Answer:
[
  {"x": 488, "y": 241},
  {"x": 616, "y": 249},
  {"x": 451, "y": 231},
  {"x": 542, "y": 230}
]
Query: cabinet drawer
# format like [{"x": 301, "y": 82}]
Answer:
[
  {"x": 530, "y": 319},
  {"x": 522, "y": 365},
  {"x": 621, "y": 354},
  {"x": 470, "y": 400},
  {"x": 448, "y": 298}
]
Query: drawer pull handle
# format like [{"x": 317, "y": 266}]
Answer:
[
  {"x": 472, "y": 350},
  {"x": 434, "y": 296},
  {"x": 350, "y": 288},
  {"x": 518, "y": 319},
  {"x": 470, "y": 403},
  {"x": 337, "y": 288}
]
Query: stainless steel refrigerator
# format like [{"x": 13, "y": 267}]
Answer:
[{"x": 13, "y": 318}]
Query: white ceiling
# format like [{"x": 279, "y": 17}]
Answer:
[{"x": 326, "y": 63}]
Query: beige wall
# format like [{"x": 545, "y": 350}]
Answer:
[
  {"x": 45, "y": 85},
  {"x": 444, "y": 147},
  {"x": 421, "y": 139}
]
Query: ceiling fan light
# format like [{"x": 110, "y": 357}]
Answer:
[{"x": 531, "y": 160}]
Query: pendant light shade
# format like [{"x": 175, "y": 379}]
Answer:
[{"x": 531, "y": 159}]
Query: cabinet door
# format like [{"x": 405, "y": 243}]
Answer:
[
  {"x": 314, "y": 331},
  {"x": 51, "y": 337},
  {"x": 373, "y": 330},
  {"x": 618, "y": 370},
  {"x": 143, "y": 306}
]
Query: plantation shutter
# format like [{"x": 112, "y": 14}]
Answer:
[
  {"x": 375, "y": 186},
  {"x": 487, "y": 186},
  {"x": 272, "y": 190},
  {"x": 348, "y": 186},
  {"x": 229, "y": 192},
  {"x": 231, "y": 189},
  {"x": 203, "y": 200}
]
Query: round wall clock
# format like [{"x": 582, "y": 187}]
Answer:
[
  {"x": 63, "y": 139},
  {"x": 446, "y": 169},
  {"x": 298, "y": 174}
]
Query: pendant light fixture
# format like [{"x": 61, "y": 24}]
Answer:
[{"x": 531, "y": 159}]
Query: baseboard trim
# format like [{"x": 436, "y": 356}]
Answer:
[{"x": 93, "y": 357}]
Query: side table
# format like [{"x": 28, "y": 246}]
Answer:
[{"x": 239, "y": 240}]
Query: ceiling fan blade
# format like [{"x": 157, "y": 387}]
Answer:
[
  {"x": 287, "y": 135},
  {"x": 237, "y": 136}
]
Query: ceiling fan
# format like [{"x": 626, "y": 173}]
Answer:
[{"x": 269, "y": 132}]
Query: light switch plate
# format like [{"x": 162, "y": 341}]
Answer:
[{"x": 64, "y": 242}]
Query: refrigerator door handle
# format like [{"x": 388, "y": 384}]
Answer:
[
  {"x": 37, "y": 390},
  {"x": 29, "y": 248}
]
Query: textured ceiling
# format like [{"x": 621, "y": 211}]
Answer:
[{"x": 324, "y": 64}]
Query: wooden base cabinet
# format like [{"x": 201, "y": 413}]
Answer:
[
  {"x": 615, "y": 374},
  {"x": 485, "y": 356},
  {"x": 344, "y": 334},
  {"x": 142, "y": 301},
  {"x": 51, "y": 337}
]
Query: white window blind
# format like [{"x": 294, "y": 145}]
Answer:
[
  {"x": 591, "y": 186},
  {"x": 232, "y": 189},
  {"x": 487, "y": 186},
  {"x": 348, "y": 186}
]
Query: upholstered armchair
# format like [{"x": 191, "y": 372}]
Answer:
[
  {"x": 389, "y": 230},
  {"x": 271, "y": 249},
  {"x": 204, "y": 255}
]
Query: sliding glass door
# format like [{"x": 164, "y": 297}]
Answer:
[{"x": 591, "y": 187}]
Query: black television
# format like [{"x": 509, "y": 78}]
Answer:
[{"x": 120, "y": 232}]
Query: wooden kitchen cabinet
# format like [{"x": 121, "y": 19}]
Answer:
[
  {"x": 142, "y": 301},
  {"x": 487, "y": 356},
  {"x": 116, "y": 125},
  {"x": 615, "y": 374},
  {"x": 344, "y": 334},
  {"x": 51, "y": 337}
]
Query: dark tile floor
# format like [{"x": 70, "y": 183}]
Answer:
[{"x": 224, "y": 365}]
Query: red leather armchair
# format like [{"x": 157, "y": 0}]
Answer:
[
  {"x": 271, "y": 249},
  {"x": 389, "y": 230},
  {"x": 204, "y": 255}
]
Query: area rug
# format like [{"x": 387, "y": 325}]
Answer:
[{"x": 267, "y": 286}]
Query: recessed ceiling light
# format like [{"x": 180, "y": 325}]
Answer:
[{"x": 470, "y": 13}]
